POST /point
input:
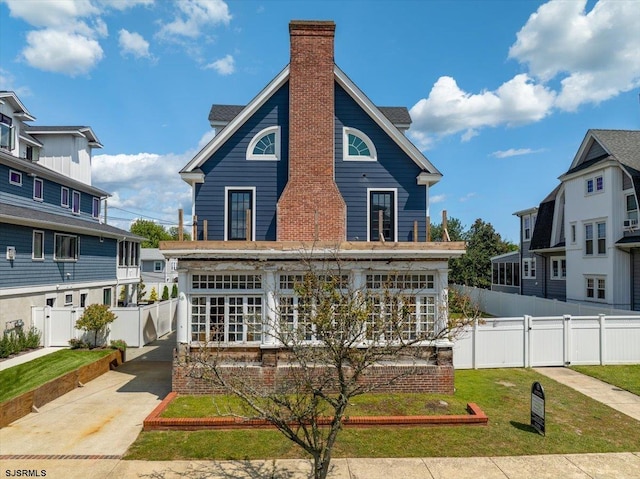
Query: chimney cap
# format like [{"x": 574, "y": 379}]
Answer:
[{"x": 317, "y": 27}]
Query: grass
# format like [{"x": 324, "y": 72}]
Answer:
[
  {"x": 366, "y": 405},
  {"x": 28, "y": 376},
  {"x": 574, "y": 422},
  {"x": 625, "y": 377}
]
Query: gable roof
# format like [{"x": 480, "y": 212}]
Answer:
[
  {"x": 619, "y": 145},
  {"x": 19, "y": 109},
  {"x": 83, "y": 131},
  {"x": 432, "y": 174}
]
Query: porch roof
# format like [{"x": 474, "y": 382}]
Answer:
[{"x": 292, "y": 250}]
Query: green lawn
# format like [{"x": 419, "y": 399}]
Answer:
[
  {"x": 575, "y": 424},
  {"x": 625, "y": 377},
  {"x": 25, "y": 377}
]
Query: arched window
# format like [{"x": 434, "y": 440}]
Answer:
[
  {"x": 357, "y": 146},
  {"x": 265, "y": 145}
]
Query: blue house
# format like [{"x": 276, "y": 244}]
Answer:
[
  {"x": 57, "y": 249},
  {"x": 310, "y": 167}
]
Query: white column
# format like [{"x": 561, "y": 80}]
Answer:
[
  {"x": 182, "y": 313},
  {"x": 442, "y": 287},
  {"x": 271, "y": 316}
]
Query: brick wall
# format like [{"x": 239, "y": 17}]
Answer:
[
  {"x": 192, "y": 379},
  {"x": 311, "y": 206}
]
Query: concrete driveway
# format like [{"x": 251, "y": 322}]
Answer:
[{"x": 102, "y": 418}]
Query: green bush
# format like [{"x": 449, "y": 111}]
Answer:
[
  {"x": 76, "y": 343},
  {"x": 153, "y": 296},
  {"x": 96, "y": 319},
  {"x": 119, "y": 344},
  {"x": 165, "y": 293},
  {"x": 15, "y": 341},
  {"x": 174, "y": 291}
]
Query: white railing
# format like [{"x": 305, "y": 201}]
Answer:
[{"x": 137, "y": 326}]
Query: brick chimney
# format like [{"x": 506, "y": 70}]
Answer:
[{"x": 311, "y": 206}]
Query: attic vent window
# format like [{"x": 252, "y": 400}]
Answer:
[
  {"x": 357, "y": 146},
  {"x": 265, "y": 145}
]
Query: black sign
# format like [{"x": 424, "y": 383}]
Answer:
[{"x": 537, "y": 407}]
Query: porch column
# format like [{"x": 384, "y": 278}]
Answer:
[
  {"x": 442, "y": 287},
  {"x": 270, "y": 320},
  {"x": 182, "y": 312}
]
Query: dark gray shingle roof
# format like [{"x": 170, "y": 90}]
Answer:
[{"x": 543, "y": 228}]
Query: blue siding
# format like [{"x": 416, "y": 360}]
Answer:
[
  {"x": 23, "y": 195},
  {"x": 229, "y": 167},
  {"x": 554, "y": 288},
  {"x": 96, "y": 262},
  {"x": 394, "y": 169}
]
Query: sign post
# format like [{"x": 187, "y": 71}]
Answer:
[{"x": 537, "y": 407}]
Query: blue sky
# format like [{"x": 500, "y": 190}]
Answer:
[{"x": 501, "y": 92}]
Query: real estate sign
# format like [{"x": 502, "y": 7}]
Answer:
[{"x": 537, "y": 407}]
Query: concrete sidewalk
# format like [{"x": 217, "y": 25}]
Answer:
[
  {"x": 614, "y": 397},
  {"x": 571, "y": 466}
]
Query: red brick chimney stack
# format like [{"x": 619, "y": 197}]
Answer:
[{"x": 311, "y": 207}]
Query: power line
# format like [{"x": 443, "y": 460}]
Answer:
[{"x": 161, "y": 221}]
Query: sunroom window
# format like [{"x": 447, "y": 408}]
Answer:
[
  {"x": 265, "y": 145},
  {"x": 357, "y": 146}
]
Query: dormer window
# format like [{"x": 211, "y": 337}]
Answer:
[
  {"x": 357, "y": 146},
  {"x": 265, "y": 145},
  {"x": 6, "y": 132}
]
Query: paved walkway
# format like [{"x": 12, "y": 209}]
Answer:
[{"x": 85, "y": 433}]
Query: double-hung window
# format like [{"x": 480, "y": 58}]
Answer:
[
  {"x": 75, "y": 203},
  {"x": 595, "y": 238},
  {"x": 38, "y": 189},
  {"x": 6, "y": 132},
  {"x": 95, "y": 208},
  {"x": 596, "y": 287},
  {"x": 529, "y": 268},
  {"x": 38, "y": 245},
  {"x": 382, "y": 215},
  {"x": 594, "y": 185},
  {"x": 66, "y": 247},
  {"x": 64, "y": 197},
  {"x": 558, "y": 268},
  {"x": 240, "y": 214},
  {"x": 632, "y": 209}
]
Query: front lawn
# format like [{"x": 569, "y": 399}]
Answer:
[
  {"x": 25, "y": 377},
  {"x": 575, "y": 424},
  {"x": 625, "y": 377}
]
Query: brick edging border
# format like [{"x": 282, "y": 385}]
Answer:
[{"x": 153, "y": 422}]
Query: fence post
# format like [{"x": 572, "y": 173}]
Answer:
[
  {"x": 566, "y": 329},
  {"x": 526, "y": 327},
  {"x": 474, "y": 346},
  {"x": 601, "y": 318}
]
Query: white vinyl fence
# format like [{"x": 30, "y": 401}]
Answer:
[
  {"x": 137, "y": 326},
  {"x": 531, "y": 332}
]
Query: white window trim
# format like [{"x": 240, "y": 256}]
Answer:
[
  {"x": 573, "y": 233},
  {"x": 594, "y": 179},
  {"x": 395, "y": 212},
  {"x": 62, "y": 203},
  {"x": 559, "y": 259},
  {"x": 257, "y": 138},
  {"x": 66, "y": 260},
  {"x": 68, "y": 303},
  {"x": 227, "y": 189},
  {"x": 346, "y": 131},
  {"x": 33, "y": 246},
  {"x": 157, "y": 269},
  {"x": 595, "y": 239},
  {"x": 595, "y": 279},
  {"x": 16, "y": 183},
  {"x": 530, "y": 262},
  {"x": 73, "y": 196},
  {"x": 35, "y": 182},
  {"x": 95, "y": 207}
]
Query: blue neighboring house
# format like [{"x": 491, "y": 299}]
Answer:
[
  {"x": 56, "y": 248},
  {"x": 310, "y": 164}
]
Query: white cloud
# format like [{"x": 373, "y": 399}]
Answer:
[
  {"x": 132, "y": 43},
  {"x": 514, "y": 152},
  {"x": 125, "y": 4},
  {"x": 8, "y": 83},
  {"x": 467, "y": 197},
  {"x": 437, "y": 199},
  {"x": 224, "y": 66},
  {"x": 61, "y": 52},
  {"x": 448, "y": 109},
  {"x": 47, "y": 13},
  {"x": 193, "y": 16},
  {"x": 596, "y": 54}
]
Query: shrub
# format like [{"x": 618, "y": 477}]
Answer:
[
  {"x": 95, "y": 319},
  {"x": 165, "y": 293},
  {"x": 76, "y": 343},
  {"x": 174, "y": 291},
  {"x": 16, "y": 341},
  {"x": 153, "y": 297},
  {"x": 119, "y": 344}
]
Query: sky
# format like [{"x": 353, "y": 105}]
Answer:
[{"x": 501, "y": 92}]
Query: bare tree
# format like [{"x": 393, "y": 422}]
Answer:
[{"x": 330, "y": 335}]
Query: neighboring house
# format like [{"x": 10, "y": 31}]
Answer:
[
  {"x": 155, "y": 268},
  {"x": 56, "y": 249},
  {"x": 505, "y": 272},
  {"x": 585, "y": 246},
  {"x": 310, "y": 167}
]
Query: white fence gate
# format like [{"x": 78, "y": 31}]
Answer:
[
  {"x": 135, "y": 325},
  {"x": 549, "y": 341}
]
